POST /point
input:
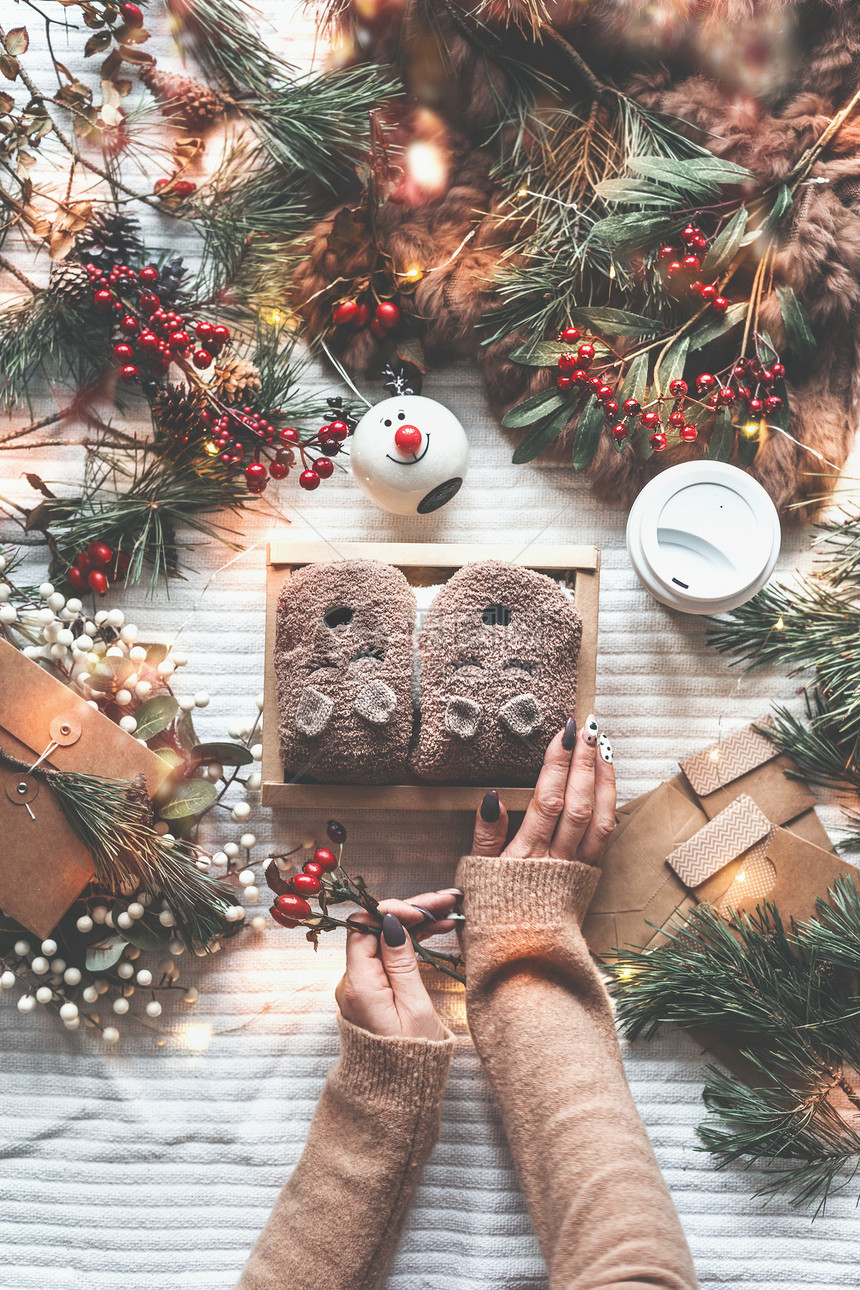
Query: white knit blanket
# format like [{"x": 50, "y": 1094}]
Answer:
[{"x": 153, "y": 1165}]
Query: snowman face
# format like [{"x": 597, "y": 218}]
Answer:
[{"x": 409, "y": 454}]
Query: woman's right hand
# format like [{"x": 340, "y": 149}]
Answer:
[
  {"x": 572, "y": 812},
  {"x": 382, "y": 990}
]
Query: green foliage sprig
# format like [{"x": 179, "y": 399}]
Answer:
[{"x": 788, "y": 1002}]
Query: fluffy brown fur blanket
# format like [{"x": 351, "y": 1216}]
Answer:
[{"x": 755, "y": 80}]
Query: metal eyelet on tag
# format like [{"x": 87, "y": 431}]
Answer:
[
  {"x": 22, "y": 789},
  {"x": 65, "y": 731}
]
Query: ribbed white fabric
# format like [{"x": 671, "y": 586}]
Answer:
[{"x": 149, "y": 1166}]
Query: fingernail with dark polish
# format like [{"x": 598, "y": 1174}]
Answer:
[
  {"x": 490, "y": 807},
  {"x": 426, "y": 912},
  {"x": 393, "y": 931},
  {"x": 567, "y": 739}
]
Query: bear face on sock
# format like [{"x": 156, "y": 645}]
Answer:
[
  {"x": 498, "y": 657},
  {"x": 343, "y": 665}
]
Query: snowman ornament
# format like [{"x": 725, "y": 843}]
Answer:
[{"x": 409, "y": 454}]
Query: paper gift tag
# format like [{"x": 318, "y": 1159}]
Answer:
[
  {"x": 745, "y": 761},
  {"x": 722, "y": 840}
]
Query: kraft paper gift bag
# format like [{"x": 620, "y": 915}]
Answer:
[{"x": 43, "y": 864}]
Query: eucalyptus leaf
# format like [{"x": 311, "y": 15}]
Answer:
[
  {"x": 698, "y": 177},
  {"x": 798, "y": 332},
  {"x": 155, "y": 653},
  {"x": 587, "y": 435},
  {"x": 111, "y": 673},
  {"x": 634, "y": 386},
  {"x": 534, "y": 408},
  {"x": 192, "y": 797},
  {"x": 617, "y": 322},
  {"x": 782, "y": 417},
  {"x": 546, "y": 353},
  {"x": 722, "y": 437},
  {"x": 628, "y": 193},
  {"x": 99, "y": 958},
  {"x": 540, "y": 437},
  {"x": 154, "y": 714},
  {"x": 781, "y": 203},
  {"x": 725, "y": 245},
  {"x": 626, "y": 233},
  {"x": 227, "y": 754},
  {"x": 674, "y": 363},
  {"x": 714, "y": 326},
  {"x": 185, "y": 732},
  {"x": 148, "y": 933},
  {"x": 748, "y": 446}
]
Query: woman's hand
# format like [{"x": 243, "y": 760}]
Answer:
[
  {"x": 572, "y": 813},
  {"x": 382, "y": 990}
]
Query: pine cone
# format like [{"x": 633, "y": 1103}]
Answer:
[
  {"x": 176, "y": 412},
  {"x": 110, "y": 239},
  {"x": 69, "y": 282},
  {"x": 185, "y": 101},
  {"x": 172, "y": 281},
  {"x": 237, "y": 381}
]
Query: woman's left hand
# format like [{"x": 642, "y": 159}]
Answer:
[{"x": 572, "y": 812}]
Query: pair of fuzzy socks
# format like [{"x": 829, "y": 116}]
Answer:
[{"x": 498, "y": 655}]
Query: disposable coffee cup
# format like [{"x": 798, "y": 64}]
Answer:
[{"x": 703, "y": 537}]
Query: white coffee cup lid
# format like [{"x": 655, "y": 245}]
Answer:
[{"x": 703, "y": 537}]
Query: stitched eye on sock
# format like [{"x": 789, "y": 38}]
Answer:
[
  {"x": 520, "y": 665},
  {"x": 467, "y": 662},
  {"x": 368, "y": 651},
  {"x": 496, "y": 616},
  {"x": 318, "y": 665}
]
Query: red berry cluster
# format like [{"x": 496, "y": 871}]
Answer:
[
  {"x": 151, "y": 334},
  {"x": 681, "y": 269},
  {"x": 181, "y": 188},
  {"x": 96, "y": 567},
  {"x": 746, "y": 383},
  {"x": 291, "y": 906},
  {"x": 359, "y": 314}
]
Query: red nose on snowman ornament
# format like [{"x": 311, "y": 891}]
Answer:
[{"x": 409, "y": 454}]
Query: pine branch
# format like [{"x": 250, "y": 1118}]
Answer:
[
  {"x": 136, "y": 505},
  {"x": 224, "y": 37},
  {"x": 788, "y": 1003}
]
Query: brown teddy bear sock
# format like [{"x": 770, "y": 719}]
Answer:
[
  {"x": 498, "y": 656},
  {"x": 343, "y": 664}
]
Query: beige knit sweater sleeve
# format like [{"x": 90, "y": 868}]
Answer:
[
  {"x": 336, "y": 1221},
  {"x": 544, "y": 1030}
]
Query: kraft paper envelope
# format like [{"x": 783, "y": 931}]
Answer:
[
  {"x": 43, "y": 864},
  {"x": 637, "y": 887}
]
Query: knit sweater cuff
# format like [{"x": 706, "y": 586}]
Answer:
[
  {"x": 505, "y": 891},
  {"x": 392, "y": 1070}
]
